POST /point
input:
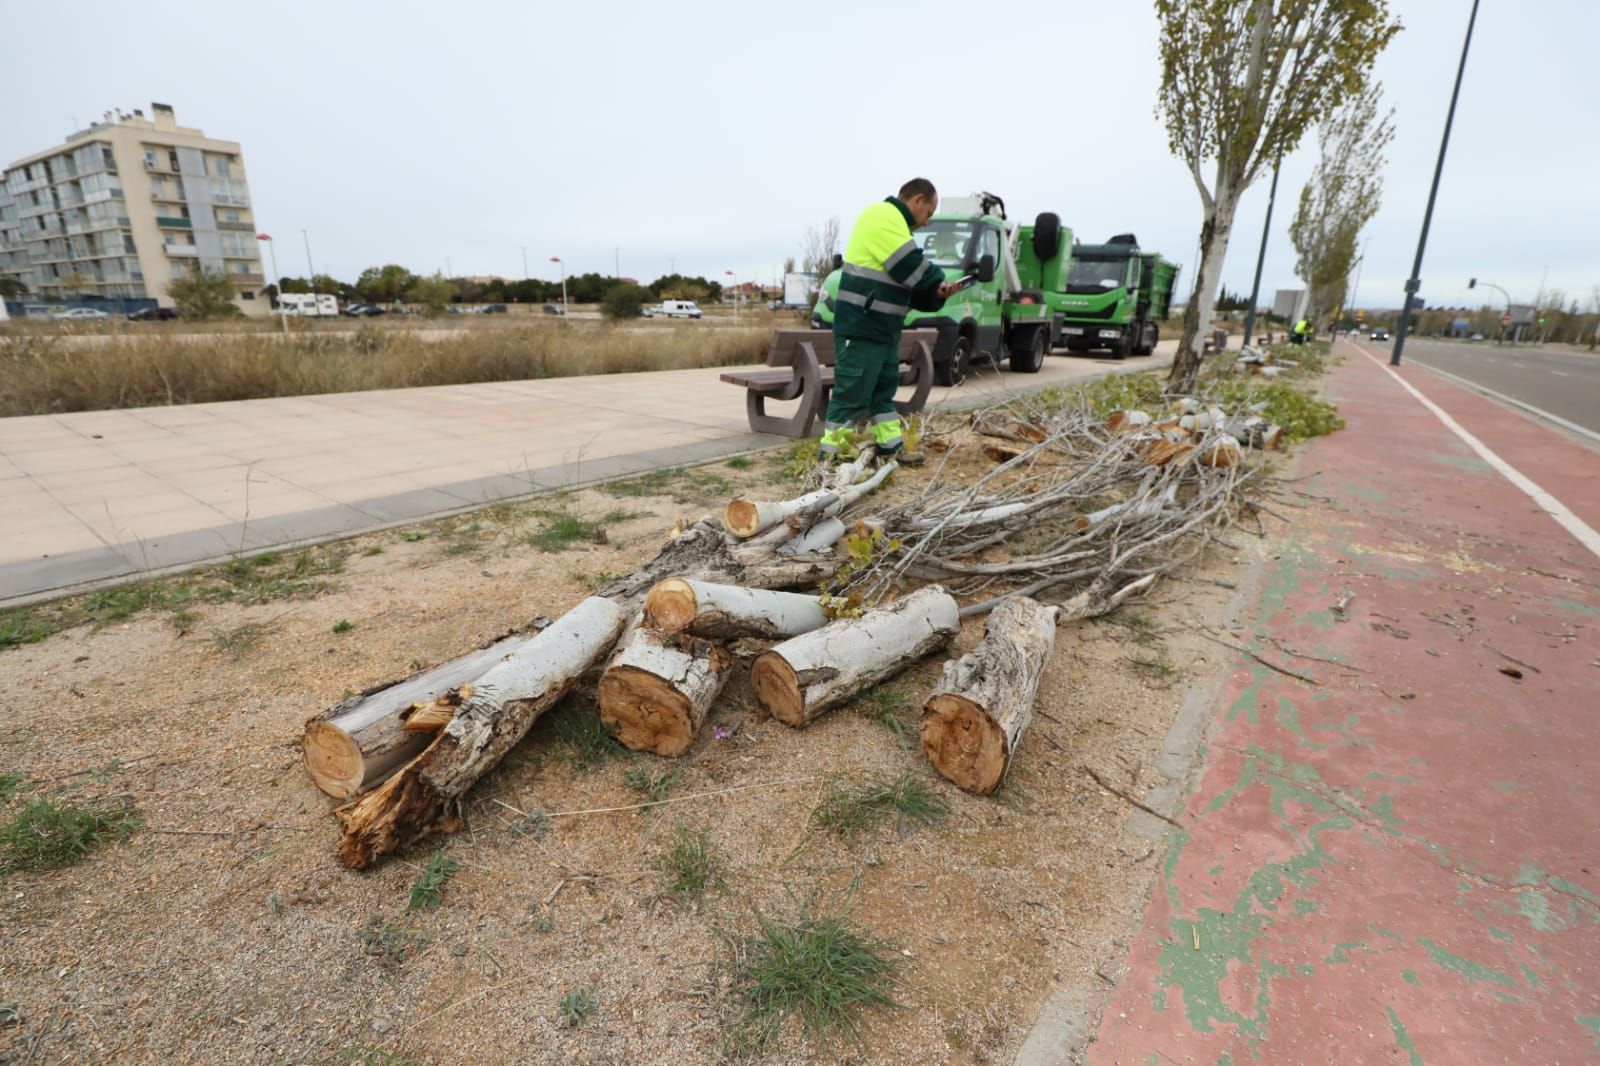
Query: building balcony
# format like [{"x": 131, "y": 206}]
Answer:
[
  {"x": 183, "y": 251},
  {"x": 160, "y": 197},
  {"x": 237, "y": 227},
  {"x": 168, "y": 222},
  {"x": 248, "y": 279}
]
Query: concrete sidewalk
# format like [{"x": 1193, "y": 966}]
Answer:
[
  {"x": 96, "y": 496},
  {"x": 1395, "y": 857}
]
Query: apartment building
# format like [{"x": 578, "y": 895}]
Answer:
[{"x": 124, "y": 207}]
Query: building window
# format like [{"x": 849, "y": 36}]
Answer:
[
  {"x": 150, "y": 157},
  {"x": 247, "y": 295},
  {"x": 172, "y": 157},
  {"x": 221, "y": 164},
  {"x": 231, "y": 216},
  {"x": 127, "y": 243}
]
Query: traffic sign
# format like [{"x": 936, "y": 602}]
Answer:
[{"x": 1505, "y": 319}]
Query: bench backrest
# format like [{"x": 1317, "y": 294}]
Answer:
[{"x": 786, "y": 345}]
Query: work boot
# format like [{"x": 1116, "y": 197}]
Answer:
[{"x": 903, "y": 456}]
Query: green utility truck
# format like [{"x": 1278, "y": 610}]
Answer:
[
  {"x": 1115, "y": 297},
  {"x": 1004, "y": 312}
]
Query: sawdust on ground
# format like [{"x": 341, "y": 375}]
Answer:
[{"x": 227, "y": 932}]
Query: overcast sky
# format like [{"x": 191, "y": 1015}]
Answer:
[{"x": 708, "y": 137}]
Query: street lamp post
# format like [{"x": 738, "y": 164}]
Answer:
[
  {"x": 1414, "y": 282},
  {"x": 1355, "y": 288},
  {"x": 735, "y": 278},
  {"x": 277, "y": 278},
  {"x": 1261, "y": 257},
  {"x": 557, "y": 259},
  {"x": 311, "y": 272},
  {"x": 1474, "y": 283}
]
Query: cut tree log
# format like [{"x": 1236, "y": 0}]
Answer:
[
  {"x": 1222, "y": 451},
  {"x": 998, "y": 422},
  {"x": 973, "y": 723},
  {"x": 726, "y": 612},
  {"x": 1124, "y": 421},
  {"x": 357, "y": 742},
  {"x": 703, "y": 552},
  {"x": 819, "y": 538},
  {"x": 801, "y": 678},
  {"x": 505, "y": 702},
  {"x": 747, "y": 518},
  {"x": 655, "y": 694}
]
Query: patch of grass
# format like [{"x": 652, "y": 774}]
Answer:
[
  {"x": 1103, "y": 395},
  {"x": 885, "y": 705},
  {"x": 23, "y": 625},
  {"x": 367, "y": 1055},
  {"x": 584, "y": 739},
  {"x": 654, "y": 785},
  {"x": 563, "y": 531},
  {"x": 1291, "y": 406},
  {"x": 739, "y": 462},
  {"x": 821, "y": 968},
  {"x": 848, "y": 809},
  {"x": 393, "y": 942},
  {"x": 238, "y": 641},
  {"x": 343, "y": 626},
  {"x": 673, "y": 481},
  {"x": 691, "y": 865},
  {"x": 372, "y": 549},
  {"x": 1153, "y": 667},
  {"x": 425, "y": 889},
  {"x": 45, "y": 835},
  {"x": 10, "y": 785},
  {"x": 577, "y": 1005},
  {"x": 411, "y": 536}
]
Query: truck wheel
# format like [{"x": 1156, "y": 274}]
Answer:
[
  {"x": 1047, "y": 235},
  {"x": 954, "y": 372},
  {"x": 1030, "y": 359},
  {"x": 1123, "y": 346},
  {"x": 1155, "y": 338}
]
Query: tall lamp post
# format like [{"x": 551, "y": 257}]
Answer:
[
  {"x": 1261, "y": 256},
  {"x": 1414, "y": 282},
  {"x": 277, "y": 279},
  {"x": 557, "y": 259},
  {"x": 1474, "y": 283},
  {"x": 735, "y": 278}
]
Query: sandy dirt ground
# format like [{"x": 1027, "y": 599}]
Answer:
[{"x": 227, "y": 932}]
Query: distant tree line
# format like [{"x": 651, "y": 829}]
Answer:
[{"x": 391, "y": 282}]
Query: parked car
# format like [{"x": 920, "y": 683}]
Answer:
[
  {"x": 364, "y": 310},
  {"x": 495, "y": 309},
  {"x": 80, "y": 314},
  {"x": 1380, "y": 334},
  {"x": 554, "y": 309},
  {"x": 154, "y": 314},
  {"x": 1476, "y": 337}
]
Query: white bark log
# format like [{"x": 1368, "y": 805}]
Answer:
[
  {"x": 658, "y": 689},
  {"x": 748, "y": 518},
  {"x": 505, "y": 702},
  {"x": 819, "y": 538},
  {"x": 973, "y": 723},
  {"x": 726, "y": 612},
  {"x": 849, "y": 473},
  {"x": 357, "y": 743},
  {"x": 801, "y": 678},
  {"x": 986, "y": 516},
  {"x": 1124, "y": 421}
]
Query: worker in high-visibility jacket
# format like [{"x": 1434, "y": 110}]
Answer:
[
  {"x": 884, "y": 278},
  {"x": 1302, "y": 331}
]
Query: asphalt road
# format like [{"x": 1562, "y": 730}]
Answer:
[{"x": 1562, "y": 381}]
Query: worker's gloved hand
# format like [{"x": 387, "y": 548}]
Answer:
[{"x": 948, "y": 289}]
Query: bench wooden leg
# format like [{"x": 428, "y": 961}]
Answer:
[
  {"x": 795, "y": 425},
  {"x": 921, "y": 379}
]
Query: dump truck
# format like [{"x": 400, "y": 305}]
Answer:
[
  {"x": 1115, "y": 297},
  {"x": 1003, "y": 313}
]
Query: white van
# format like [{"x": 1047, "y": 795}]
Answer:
[{"x": 679, "y": 309}]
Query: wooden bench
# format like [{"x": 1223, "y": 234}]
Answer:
[{"x": 801, "y": 362}]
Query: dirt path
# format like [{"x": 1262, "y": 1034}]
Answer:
[{"x": 226, "y": 930}]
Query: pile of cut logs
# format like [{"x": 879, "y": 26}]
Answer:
[
  {"x": 1262, "y": 361},
  {"x": 666, "y": 638}
]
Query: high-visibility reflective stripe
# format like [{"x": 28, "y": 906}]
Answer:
[
  {"x": 891, "y": 416},
  {"x": 886, "y": 434},
  {"x": 870, "y": 274},
  {"x": 899, "y": 254},
  {"x": 880, "y": 306},
  {"x": 917, "y": 274}
]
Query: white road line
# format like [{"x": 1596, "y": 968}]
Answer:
[
  {"x": 1551, "y": 506},
  {"x": 1513, "y": 401}
]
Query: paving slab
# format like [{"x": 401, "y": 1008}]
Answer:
[{"x": 98, "y": 496}]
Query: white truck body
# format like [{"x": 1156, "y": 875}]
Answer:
[
  {"x": 799, "y": 289},
  {"x": 678, "y": 309},
  {"x": 310, "y": 304}
]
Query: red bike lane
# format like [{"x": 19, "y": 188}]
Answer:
[{"x": 1395, "y": 856}]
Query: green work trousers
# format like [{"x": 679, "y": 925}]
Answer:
[{"x": 865, "y": 377}]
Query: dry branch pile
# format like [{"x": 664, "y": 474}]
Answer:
[{"x": 1097, "y": 508}]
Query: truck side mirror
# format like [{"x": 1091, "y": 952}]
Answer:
[{"x": 985, "y": 269}]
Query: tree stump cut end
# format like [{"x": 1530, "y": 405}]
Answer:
[
  {"x": 671, "y": 605},
  {"x": 333, "y": 760},
  {"x": 742, "y": 518},
  {"x": 778, "y": 688},
  {"x": 963, "y": 743},
  {"x": 644, "y": 713}
]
